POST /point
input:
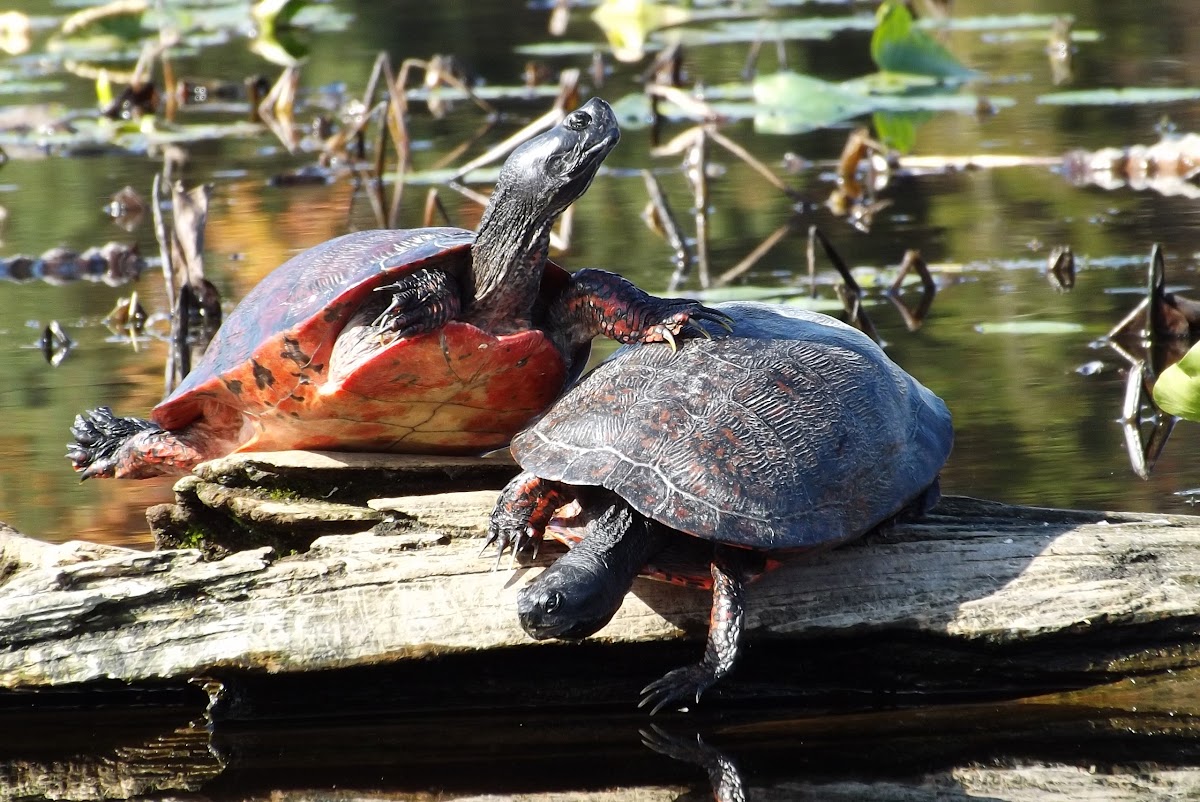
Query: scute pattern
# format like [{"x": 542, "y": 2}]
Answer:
[{"x": 794, "y": 431}]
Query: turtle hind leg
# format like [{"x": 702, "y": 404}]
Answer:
[
  {"x": 110, "y": 446},
  {"x": 685, "y": 685}
]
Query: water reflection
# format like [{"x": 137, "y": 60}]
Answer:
[{"x": 1057, "y": 747}]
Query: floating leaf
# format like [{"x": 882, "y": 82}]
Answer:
[
  {"x": 557, "y": 48},
  {"x": 897, "y": 46},
  {"x": 898, "y": 130},
  {"x": 805, "y": 29},
  {"x": 10, "y": 87},
  {"x": 791, "y": 103},
  {"x": 273, "y": 13},
  {"x": 1119, "y": 97},
  {"x": 15, "y": 30},
  {"x": 633, "y": 111},
  {"x": 1177, "y": 391},
  {"x": 996, "y": 22},
  {"x": 784, "y": 296},
  {"x": 1029, "y": 327},
  {"x": 824, "y": 28},
  {"x": 626, "y": 24}
]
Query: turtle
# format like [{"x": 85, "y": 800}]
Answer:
[
  {"x": 432, "y": 340},
  {"x": 794, "y": 433}
]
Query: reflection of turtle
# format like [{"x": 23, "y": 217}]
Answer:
[
  {"x": 794, "y": 433},
  {"x": 476, "y": 334}
]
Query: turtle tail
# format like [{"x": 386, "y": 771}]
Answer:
[{"x": 100, "y": 439}]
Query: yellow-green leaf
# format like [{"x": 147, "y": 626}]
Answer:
[{"x": 1177, "y": 390}]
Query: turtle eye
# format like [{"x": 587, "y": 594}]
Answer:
[
  {"x": 578, "y": 120},
  {"x": 553, "y": 602}
]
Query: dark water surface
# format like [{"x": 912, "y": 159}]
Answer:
[{"x": 1035, "y": 414}]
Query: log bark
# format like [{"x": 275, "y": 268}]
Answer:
[{"x": 977, "y": 594}]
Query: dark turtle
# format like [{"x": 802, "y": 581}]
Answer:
[
  {"x": 794, "y": 433},
  {"x": 475, "y": 334}
]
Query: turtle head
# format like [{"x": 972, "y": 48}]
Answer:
[
  {"x": 584, "y": 588},
  {"x": 570, "y": 600},
  {"x": 551, "y": 171},
  {"x": 539, "y": 180}
]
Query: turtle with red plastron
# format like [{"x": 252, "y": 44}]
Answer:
[{"x": 431, "y": 340}]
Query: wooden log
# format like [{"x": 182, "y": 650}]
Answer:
[
  {"x": 287, "y": 499},
  {"x": 977, "y": 595}
]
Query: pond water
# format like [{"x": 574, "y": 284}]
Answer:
[
  {"x": 1036, "y": 407},
  {"x": 1035, "y": 413}
]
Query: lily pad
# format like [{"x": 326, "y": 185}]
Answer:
[
  {"x": 558, "y": 48},
  {"x": 10, "y": 87},
  {"x": 628, "y": 23},
  {"x": 791, "y": 103},
  {"x": 785, "y": 296},
  {"x": 898, "y": 46},
  {"x": 807, "y": 29},
  {"x": 1029, "y": 327},
  {"x": 997, "y": 22},
  {"x": 496, "y": 92},
  {"x": 824, "y": 28},
  {"x": 1120, "y": 97},
  {"x": 1177, "y": 391}
]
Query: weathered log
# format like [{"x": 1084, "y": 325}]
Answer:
[
  {"x": 287, "y": 499},
  {"x": 976, "y": 596}
]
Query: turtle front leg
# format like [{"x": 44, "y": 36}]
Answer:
[
  {"x": 724, "y": 635},
  {"x": 601, "y": 303},
  {"x": 525, "y": 507},
  {"x": 422, "y": 301}
]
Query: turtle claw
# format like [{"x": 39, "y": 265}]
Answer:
[
  {"x": 687, "y": 318},
  {"x": 712, "y": 316},
  {"x": 694, "y": 328},
  {"x": 422, "y": 301},
  {"x": 678, "y": 686},
  {"x": 669, "y": 339},
  {"x": 513, "y": 541}
]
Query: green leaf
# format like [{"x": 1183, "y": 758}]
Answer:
[
  {"x": 277, "y": 13},
  {"x": 1177, "y": 391},
  {"x": 1117, "y": 97},
  {"x": 791, "y": 103},
  {"x": 896, "y": 46},
  {"x": 898, "y": 130}
]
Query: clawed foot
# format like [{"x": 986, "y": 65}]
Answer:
[
  {"x": 99, "y": 438},
  {"x": 519, "y": 519},
  {"x": 512, "y": 535},
  {"x": 681, "y": 686},
  {"x": 723, "y": 773},
  {"x": 602, "y": 303},
  {"x": 421, "y": 301},
  {"x": 685, "y": 317}
]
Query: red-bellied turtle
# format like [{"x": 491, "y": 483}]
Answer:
[
  {"x": 475, "y": 334},
  {"x": 794, "y": 433}
]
